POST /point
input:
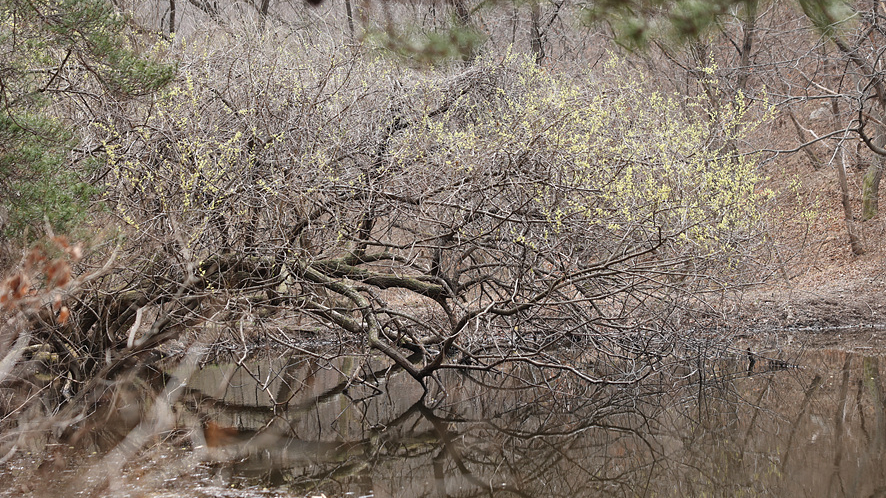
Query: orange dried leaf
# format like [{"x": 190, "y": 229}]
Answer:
[
  {"x": 61, "y": 241},
  {"x": 64, "y": 277},
  {"x": 18, "y": 286},
  {"x": 11, "y": 283},
  {"x": 34, "y": 257},
  {"x": 58, "y": 273},
  {"x": 63, "y": 315}
]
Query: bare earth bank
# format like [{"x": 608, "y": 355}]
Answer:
[{"x": 838, "y": 305}]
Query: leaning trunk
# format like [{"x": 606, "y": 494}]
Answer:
[
  {"x": 854, "y": 240},
  {"x": 870, "y": 192}
]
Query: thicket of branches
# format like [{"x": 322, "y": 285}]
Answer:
[{"x": 435, "y": 212}]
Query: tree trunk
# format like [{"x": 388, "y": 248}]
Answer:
[
  {"x": 461, "y": 12},
  {"x": 854, "y": 240},
  {"x": 350, "y": 13},
  {"x": 748, "y": 26},
  {"x": 536, "y": 37},
  {"x": 874, "y": 80},
  {"x": 210, "y": 8},
  {"x": 463, "y": 18},
  {"x": 171, "y": 17}
]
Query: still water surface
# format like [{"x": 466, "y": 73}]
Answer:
[{"x": 296, "y": 426}]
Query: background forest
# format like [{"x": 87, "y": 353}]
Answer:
[{"x": 456, "y": 185}]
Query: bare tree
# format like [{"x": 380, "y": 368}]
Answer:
[{"x": 440, "y": 217}]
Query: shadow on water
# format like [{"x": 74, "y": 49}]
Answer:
[{"x": 300, "y": 426}]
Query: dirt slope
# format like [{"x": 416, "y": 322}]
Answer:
[{"x": 819, "y": 283}]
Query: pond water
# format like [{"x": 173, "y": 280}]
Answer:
[{"x": 298, "y": 426}]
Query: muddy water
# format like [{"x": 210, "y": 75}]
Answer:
[{"x": 297, "y": 426}]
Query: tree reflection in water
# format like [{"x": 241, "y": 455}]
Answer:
[{"x": 302, "y": 426}]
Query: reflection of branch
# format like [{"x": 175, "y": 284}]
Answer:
[
  {"x": 839, "y": 416},
  {"x": 446, "y": 437},
  {"x": 555, "y": 366},
  {"x": 752, "y": 425},
  {"x": 310, "y": 403},
  {"x": 807, "y": 397}
]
